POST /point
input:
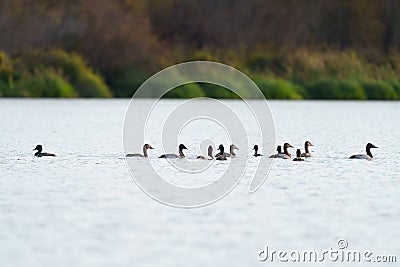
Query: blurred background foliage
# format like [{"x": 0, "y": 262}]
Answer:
[{"x": 308, "y": 49}]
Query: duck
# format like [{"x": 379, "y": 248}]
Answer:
[
  {"x": 255, "y": 148},
  {"x": 209, "y": 154},
  {"x": 181, "y": 155},
  {"x": 39, "y": 152},
  {"x": 279, "y": 150},
  {"x": 285, "y": 154},
  {"x": 298, "y": 156},
  {"x": 221, "y": 153},
  {"x": 145, "y": 147},
  {"x": 368, "y": 156},
  {"x": 307, "y": 153},
  {"x": 231, "y": 151}
]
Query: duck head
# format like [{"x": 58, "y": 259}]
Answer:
[
  {"x": 147, "y": 146},
  {"x": 221, "y": 148},
  {"x": 298, "y": 153},
  {"x": 287, "y": 145},
  {"x": 369, "y": 146},
  {"x": 39, "y": 148},
  {"x": 308, "y": 143},
  {"x": 182, "y": 146}
]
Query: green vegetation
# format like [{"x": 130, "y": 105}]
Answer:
[
  {"x": 380, "y": 91},
  {"x": 280, "y": 89},
  {"x": 53, "y": 73},
  {"x": 42, "y": 84},
  {"x": 300, "y": 75},
  {"x": 190, "y": 90},
  {"x": 330, "y": 88}
]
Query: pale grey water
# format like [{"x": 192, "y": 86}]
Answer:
[{"x": 82, "y": 208}]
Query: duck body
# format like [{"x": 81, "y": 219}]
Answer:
[
  {"x": 368, "y": 156},
  {"x": 174, "y": 156},
  {"x": 169, "y": 156},
  {"x": 361, "y": 156},
  {"x": 226, "y": 154},
  {"x": 307, "y": 153},
  {"x": 44, "y": 154},
  {"x": 221, "y": 157},
  {"x": 145, "y": 147},
  {"x": 134, "y": 155},
  {"x": 282, "y": 156},
  {"x": 39, "y": 152}
]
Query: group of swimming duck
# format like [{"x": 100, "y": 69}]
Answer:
[{"x": 222, "y": 155}]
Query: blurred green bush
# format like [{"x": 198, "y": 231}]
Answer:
[
  {"x": 70, "y": 66},
  {"x": 190, "y": 90},
  {"x": 332, "y": 88},
  {"x": 301, "y": 74},
  {"x": 279, "y": 89},
  {"x": 43, "y": 84},
  {"x": 380, "y": 91}
]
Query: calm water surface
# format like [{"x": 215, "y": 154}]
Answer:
[{"x": 82, "y": 208}]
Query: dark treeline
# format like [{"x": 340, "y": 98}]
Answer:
[{"x": 307, "y": 44}]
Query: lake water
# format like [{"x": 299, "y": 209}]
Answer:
[{"x": 82, "y": 208}]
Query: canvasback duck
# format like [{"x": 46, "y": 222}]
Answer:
[
  {"x": 181, "y": 155},
  {"x": 368, "y": 156}
]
